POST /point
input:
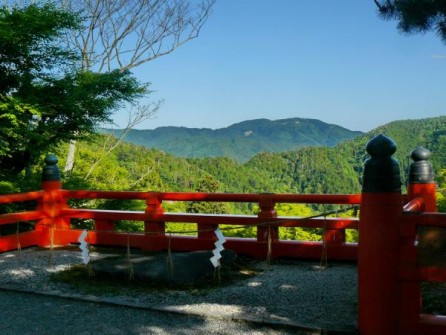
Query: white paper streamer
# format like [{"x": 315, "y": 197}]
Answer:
[
  {"x": 215, "y": 260},
  {"x": 84, "y": 247}
]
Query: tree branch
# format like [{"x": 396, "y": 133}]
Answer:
[{"x": 125, "y": 34}]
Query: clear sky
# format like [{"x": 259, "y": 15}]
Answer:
[{"x": 330, "y": 60}]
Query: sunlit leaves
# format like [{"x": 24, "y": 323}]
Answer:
[{"x": 46, "y": 98}]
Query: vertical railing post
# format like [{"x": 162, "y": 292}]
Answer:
[
  {"x": 104, "y": 225},
  {"x": 207, "y": 231},
  {"x": 378, "y": 249},
  {"x": 267, "y": 213},
  {"x": 420, "y": 182},
  {"x": 334, "y": 236},
  {"x": 155, "y": 227},
  {"x": 51, "y": 204}
]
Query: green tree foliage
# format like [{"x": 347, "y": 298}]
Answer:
[
  {"x": 240, "y": 141},
  {"x": 415, "y": 16},
  {"x": 297, "y": 233},
  {"x": 441, "y": 192},
  {"x": 308, "y": 170},
  {"x": 209, "y": 185},
  {"x": 45, "y": 96}
]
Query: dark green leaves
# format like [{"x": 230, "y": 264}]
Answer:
[
  {"x": 45, "y": 96},
  {"x": 416, "y": 16}
]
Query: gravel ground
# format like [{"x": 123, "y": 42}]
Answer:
[
  {"x": 30, "y": 314},
  {"x": 290, "y": 293}
]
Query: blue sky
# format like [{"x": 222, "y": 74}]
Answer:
[{"x": 330, "y": 60}]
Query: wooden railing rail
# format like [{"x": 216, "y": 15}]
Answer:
[
  {"x": 155, "y": 218},
  {"x": 219, "y": 197},
  {"x": 20, "y": 197},
  {"x": 153, "y": 237}
]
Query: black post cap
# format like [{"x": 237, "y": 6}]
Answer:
[
  {"x": 51, "y": 171},
  {"x": 420, "y": 171},
  {"x": 381, "y": 171}
]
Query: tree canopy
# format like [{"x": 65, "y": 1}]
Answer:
[
  {"x": 46, "y": 97},
  {"x": 416, "y": 16},
  {"x": 123, "y": 34}
]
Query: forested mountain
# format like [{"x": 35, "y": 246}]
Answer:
[
  {"x": 320, "y": 169},
  {"x": 338, "y": 169},
  {"x": 307, "y": 170},
  {"x": 240, "y": 141}
]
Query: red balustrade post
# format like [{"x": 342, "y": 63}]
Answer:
[
  {"x": 155, "y": 227},
  {"x": 334, "y": 236},
  {"x": 104, "y": 225},
  {"x": 207, "y": 231},
  {"x": 267, "y": 214},
  {"x": 379, "y": 232},
  {"x": 420, "y": 184},
  {"x": 421, "y": 181},
  {"x": 51, "y": 205}
]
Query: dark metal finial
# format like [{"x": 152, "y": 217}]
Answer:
[
  {"x": 381, "y": 171},
  {"x": 51, "y": 171},
  {"x": 421, "y": 171},
  {"x": 381, "y": 146}
]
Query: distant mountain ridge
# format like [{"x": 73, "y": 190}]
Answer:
[
  {"x": 240, "y": 141},
  {"x": 308, "y": 170}
]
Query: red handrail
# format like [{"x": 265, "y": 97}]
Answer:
[
  {"x": 20, "y": 197},
  {"x": 220, "y": 197},
  {"x": 53, "y": 209}
]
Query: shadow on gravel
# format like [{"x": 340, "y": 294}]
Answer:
[{"x": 155, "y": 271}]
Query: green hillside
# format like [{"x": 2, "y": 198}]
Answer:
[
  {"x": 240, "y": 141},
  {"x": 307, "y": 170},
  {"x": 321, "y": 169}
]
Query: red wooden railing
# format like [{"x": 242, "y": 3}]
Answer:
[
  {"x": 154, "y": 236},
  {"x": 389, "y": 273}
]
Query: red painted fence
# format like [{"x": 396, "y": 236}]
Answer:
[
  {"x": 389, "y": 271},
  {"x": 53, "y": 219}
]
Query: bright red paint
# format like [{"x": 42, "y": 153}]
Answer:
[{"x": 388, "y": 233}]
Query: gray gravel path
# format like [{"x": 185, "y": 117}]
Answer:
[
  {"x": 31, "y": 314},
  {"x": 289, "y": 293}
]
